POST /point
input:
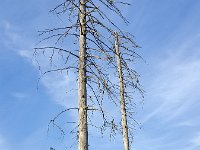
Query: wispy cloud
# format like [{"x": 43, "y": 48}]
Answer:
[
  {"x": 196, "y": 140},
  {"x": 170, "y": 117},
  {"x": 57, "y": 84},
  {"x": 62, "y": 87},
  {"x": 174, "y": 88},
  {"x": 3, "y": 143},
  {"x": 12, "y": 37},
  {"x": 19, "y": 95}
]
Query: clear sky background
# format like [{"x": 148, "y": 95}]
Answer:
[{"x": 169, "y": 34}]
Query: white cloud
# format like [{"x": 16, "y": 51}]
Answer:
[
  {"x": 13, "y": 38},
  {"x": 196, "y": 140},
  {"x": 56, "y": 83},
  {"x": 174, "y": 87},
  {"x": 62, "y": 87},
  {"x": 25, "y": 53},
  {"x": 3, "y": 143},
  {"x": 19, "y": 95}
]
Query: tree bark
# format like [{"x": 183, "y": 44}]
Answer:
[
  {"x": 122, "y": 98},
  {"x": 82, "y": 93}
]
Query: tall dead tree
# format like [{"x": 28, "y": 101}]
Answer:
[
  {"x": 91, "y": 29},
  {"x": 82, "y": 92},
  {"x": 122, "y": 98}
]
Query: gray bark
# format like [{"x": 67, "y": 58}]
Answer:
[
  {"x": 82, "y": 93},
  {"x": 122, "y": 98}
]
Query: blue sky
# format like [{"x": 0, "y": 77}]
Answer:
[{"x": 169, "y": 34}]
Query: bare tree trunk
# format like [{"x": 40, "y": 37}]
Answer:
[
  {"x": 82, "y": 93},
  {"x": 122, "y": 99}
]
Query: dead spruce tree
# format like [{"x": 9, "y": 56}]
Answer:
[
  {"x": 91, "y": 29},
  {"x": 123, "y": 82},
  {"x": 82, "y": 80},
  {"x": 122, "y": 99}
]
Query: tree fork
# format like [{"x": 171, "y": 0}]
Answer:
[
  {"x": 82, "y": 92},
  {"x": 122, "y": 99}
]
